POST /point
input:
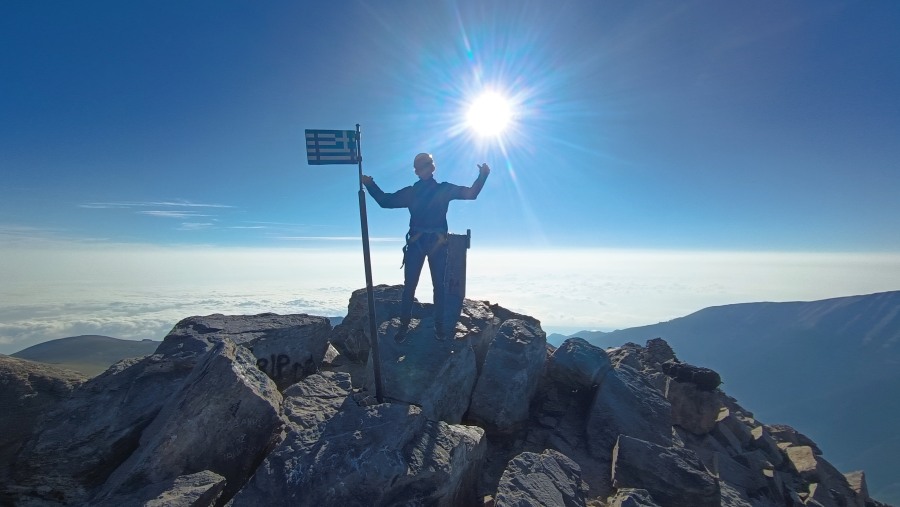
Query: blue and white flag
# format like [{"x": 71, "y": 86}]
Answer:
[{"x": 331, "y": 147}]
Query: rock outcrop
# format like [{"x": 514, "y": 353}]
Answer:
[{"x": 283, "y": 410}]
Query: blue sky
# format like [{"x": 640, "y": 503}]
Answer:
[{"x": 646, "y": 126}]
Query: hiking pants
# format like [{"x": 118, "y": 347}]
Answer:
[{"x": 419, "y": 246}]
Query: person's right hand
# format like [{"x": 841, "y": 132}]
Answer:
[
  {"x": 484, "y": 169},
  {"x": 367, "y": 179}
]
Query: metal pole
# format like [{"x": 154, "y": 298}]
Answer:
[{"x": 370, "y": 292}]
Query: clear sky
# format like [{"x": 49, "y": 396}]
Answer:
[{"x": 167, "y": 139}]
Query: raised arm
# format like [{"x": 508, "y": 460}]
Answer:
[
  {"x": 398, "y": 199},
  {"x": 473, "y": 191}
]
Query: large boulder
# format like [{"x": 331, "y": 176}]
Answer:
[
  {"x": 672, "y": 475},
  {"x": 225, "y": 419},
  {"x": 832, "y": 484},
  {"x": 351, "y": 336},
  {"x": 437, "y": 375},
  {"x": 548, "y": 478},
  {"x": 286, "y": 347},
  {"x": 28, "y": 391},
  {"x": 694, "y": 409},
  {"x": 94, "y": 431},
  {"x": 578, "y": 364},
  {"x": 509, "y": 377},
  {"x": 385, "y": 454},
  {"x": 201, "y": 489},
  {"x": 625, "y": 403}
]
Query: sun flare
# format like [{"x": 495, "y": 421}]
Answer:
[{"x": 489, "y": 114}]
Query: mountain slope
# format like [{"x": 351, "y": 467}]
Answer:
[
  {"x": 830, "y": 367},
  {"x": 87, "y": 354}
]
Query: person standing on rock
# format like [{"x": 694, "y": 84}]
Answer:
[{"x": 427, "y": 201}]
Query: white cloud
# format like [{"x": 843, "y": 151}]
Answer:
[
  {"x": 171, "y": 214},
  {"x": 150, "y": 204},
  {"x": 141, "y": 291}
]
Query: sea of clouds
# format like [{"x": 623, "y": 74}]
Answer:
[{"x": 140, "y": 292}]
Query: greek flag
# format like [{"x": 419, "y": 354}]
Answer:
[{"x": 331, "y": 147}]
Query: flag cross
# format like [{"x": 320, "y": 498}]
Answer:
[{"x": 331, "y": 147}]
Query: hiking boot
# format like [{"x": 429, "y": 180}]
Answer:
[{"x": 400, "y": 337}]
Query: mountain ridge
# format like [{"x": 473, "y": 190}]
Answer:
[
  {"x": 87, "y": 354},
  {"x": 816, "y": 365}
]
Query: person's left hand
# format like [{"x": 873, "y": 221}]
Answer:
[
  {"x": 484, "y": 169},
  {"x": 367, "y": 180}
]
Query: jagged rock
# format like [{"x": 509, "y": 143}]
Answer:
[
  {"x": 549, "y": 478},
  {"x": 693, "y": 409},
  {"x": 658, "y": 352},
  {"x": 704, "y": 378},
  {"x": 385, "y": 454},
  {"x": 351, "y": 336},
  {"x": 225, "y": 419},
  {"x": 436, "y": 375},
  {"x": 731, "y": 432},
  {"x": 630, "y": 497},
  {"x": 857, "y": 482},
  {"x": 97, "y": 427},
  {"x": 201, "y": 489},
  {"x": 509, "y": 377},
  {"x": 314, "y": 400},
  {"x": 672, "y": 475},
  {"x": 339, "y": 447},
  {"x": 764, "y": 442},
  {"x": 286, "y": 347},
  {"x": 787, "y": 436},
  {"x": 626, "y": 404},
  {"x": 629, "y": 354},
  {"x": 578, "y": 364},
  {"x": 478, "y": 323},
  {"x": 28, "y": 391},
  {"x": 833, "y": 486}
]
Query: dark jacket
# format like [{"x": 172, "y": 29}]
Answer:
[{"x": 427, "y": 201}]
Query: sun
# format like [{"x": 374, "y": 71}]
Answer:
[{"x": 489, "y": 114}]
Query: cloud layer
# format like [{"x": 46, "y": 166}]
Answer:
[{"x": 136, "y": 292}]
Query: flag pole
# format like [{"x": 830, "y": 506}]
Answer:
[{"x": 370, "y": 292}]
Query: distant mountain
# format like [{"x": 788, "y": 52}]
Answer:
[
  {"x": 87, "y": 354},
  {"x": 831, "y": 367}
]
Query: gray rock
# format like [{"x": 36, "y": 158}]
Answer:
[
  {"x": 626, "y": 404},
  {"x": 313, "y": 401},
  {"x": 28, "y": 391},
  {"x": 578, "y": 364},
  {"x": 658, "y": 352},
  {"x": 286, "y": 347},
  {"x": 85, "y": 439},
  {"x": 629, "y": 354},
  {"x": 510, "y": 376},
  {"x": 857, "y": 482},
  {"x": 387, "y": 454},
  {"x": 225, "y": 418},
  {"x": 351, "y": 336},
  {"x": 764, "y": 442},
  {"x": 784, "y": 434},
  {"x": 672, "y": 475},
  {"x": 201, "y": 489},
  {"x": 731, "y": 432},
  {"x": 693, "y": 409},
  {"x": 833, "y": 487},
  {"x": 630, "y": 497},
  {"x": 549, "y": 478},
  {"x": 438, "y": 376}
]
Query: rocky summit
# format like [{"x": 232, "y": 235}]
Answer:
[{"x": 282, "y": 410}]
